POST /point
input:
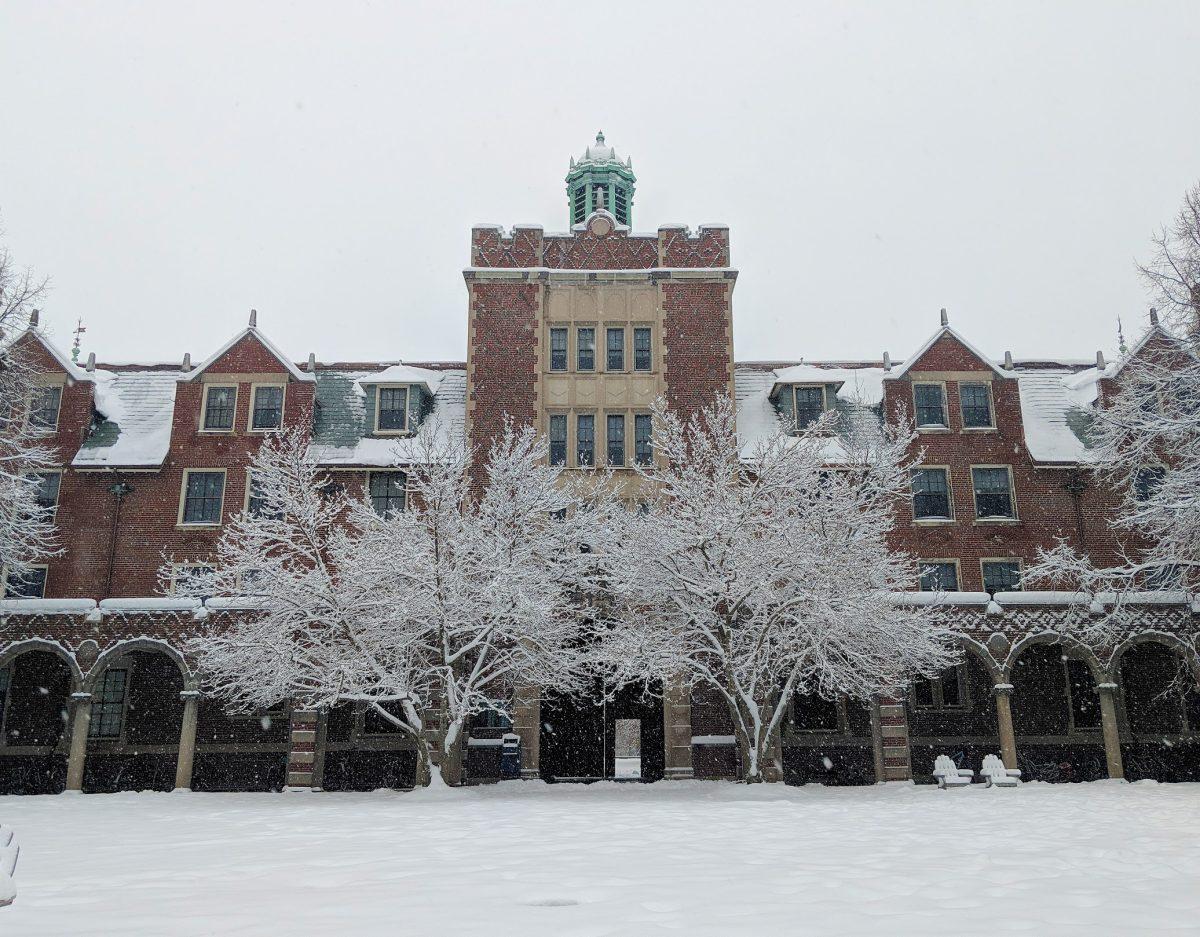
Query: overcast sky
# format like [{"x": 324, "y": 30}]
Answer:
[{"x": 169, "y": 166}]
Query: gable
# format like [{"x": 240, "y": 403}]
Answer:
[
  {"x": 250, "y": 352},
  {"x": 44, "y": 358},
  {"x": 947, "y": 351}
]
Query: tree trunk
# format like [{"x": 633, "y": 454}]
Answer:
[{"x": 452, "y": 755}]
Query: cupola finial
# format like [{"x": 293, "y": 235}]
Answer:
[
  {"x": 945, "y": 318},
  {"x": 600, "y": 137},
  {"x": 1153, "y": 316}
]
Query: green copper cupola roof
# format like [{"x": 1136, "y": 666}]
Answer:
[{"x": 600, "y": 179}]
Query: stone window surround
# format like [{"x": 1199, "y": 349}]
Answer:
[
  {"x": 944, "y": 426},
  {"x": 934, "y": 521},
  {"x": 983, "y": 561},
  {"x": 4, "y": 573},
  {"x": 183, "y": 486},
  {"x": 599, "y": 434},
  {"x": 1012, "y": 497},
  {"x": 375, "y": 428},
  {"x": 208, "y": 389},
  {"x": 991, "y": 404},
  {"x": 254, "y": 389},
  {"x": 953, "y": 561},
  {"x": 599, "y": 346}
]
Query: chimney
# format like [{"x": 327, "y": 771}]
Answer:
[
  {"x": 33, "y": 318},
  {"x": 312, "y": 362},
  {"x": 91, "y": 365},
  {"x": 945, "y": 319},
  {"x": 187, "y": 361},
  {"x": 1101, "y": 364},
  {"x": 253, "y": 318},
  {"x": 1008, "y": 362},
  {"x": 1153, "y": 316},
  {"x": 887, "y": 361}
]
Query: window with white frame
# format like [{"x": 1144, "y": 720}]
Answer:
[
  {"x": 930, "y": 402},
  {"x": 585, "y": 440},
  {"x": 938, "y": 575},
  {"x": 220, "y": 401},
  {"x": 615, "y": 439},
  {"x": 28, "y": 585},
  {"x": 1001, "y": 576},
  {"x": 931, "y": 494},
  {"x": 391, "y": 412},
  {"x": 267, "y": 407},
  {"x": 614, "y": 349},
  {"x": 44, "y": 405},
  {"x": 585, "y": 349},
  {"x": 643, "y": 439},
  {"x": 108, "y": 705},
  {"x": 809, "y": 405},
  {"x": 558, "y": 349},
  {"x": 388, "y": 492},
  {"x": 203, "y": 496},
  {"x": 976, "y": 403},
  {"x": 993, "y": 492}
]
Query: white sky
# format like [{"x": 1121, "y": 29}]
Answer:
[{"x": 169, "y": 166}]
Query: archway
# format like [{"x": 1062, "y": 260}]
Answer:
[
  {"x": 136, "y": 718},
  {"x": 35, "y": 706},
  {"x": 1056, "y": 715},
  {"x": 953, "y": 714},
  {"x": 827, "y": 741},
  {"x": 579, "y": 734},
  {"x": 1161, "y": 707},
  {"x": 363, "y": 751}
]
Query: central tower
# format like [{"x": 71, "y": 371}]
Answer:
[{"x": 600, "y": 180}]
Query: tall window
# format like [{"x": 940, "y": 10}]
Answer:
[
  {"x": 43, "y": 407},
  {"x": 931, "y": 494},
  {"x": 558, "y": 439},
  {"x": 585, "y": 440},
  {"x": 218, "y": 407},
  {"x": 28, "y": 585},
  {"x": 616, "y": 350},
  {"x": 615, "y": 438},
  {"x": 931, "y": 405},
  {"x": 257, "y": 504},
  {"x": 108, "y": 705},
  {"x": 993, "y": 493},
  {"x": 388, "y": 492},
  {"x": 641, "y": 350},
  {"x": 1081, "y": 693},
  {"x": 558, "y": 349},
  {"x": 810, "y": 404},
  {"x": 48, "y": 485},
  {"x": 580, "y": 209},
  {"x": 946, "y": 691},
  {"x": 643, "y": 435},
  {"x": 1147, "y": 482},
  {"x": 938, "y": 576},
  {"x": 976, "y": 405},
  {"x": 393, "y": 410},
  {"x": 268, "y": 408},
  {"x": 203, "y": 493},
  {"x": 1001, "y": 576},
  {"x": 585, "y": 349}
]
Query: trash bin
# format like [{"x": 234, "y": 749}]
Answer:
[{"x": 510, "y": 756}]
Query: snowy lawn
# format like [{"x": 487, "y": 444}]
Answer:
[{"x": 685, "y": 858}]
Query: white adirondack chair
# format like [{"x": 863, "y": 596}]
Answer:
[
  {"x": 949, "y": 774},
  {"x": 996, "y": 775},
  {"x": 8, "y": 865}
]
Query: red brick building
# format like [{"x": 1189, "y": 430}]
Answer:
[{"x": 576, "y": 333}]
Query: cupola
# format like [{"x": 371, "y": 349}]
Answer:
[{"x": 600, "y": 179}]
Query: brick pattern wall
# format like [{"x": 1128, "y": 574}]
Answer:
[
  {"x": 673, "y": 246},
  {"x": 698, "y": 342},
  {"x": 502, "y": 369}
]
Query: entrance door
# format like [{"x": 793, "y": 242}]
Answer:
[
  {"x": 627, "y": 750},
  {"x": 621, "y": 737}
]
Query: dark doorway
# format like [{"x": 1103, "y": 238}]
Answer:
[{"x": 579, "y": 735}]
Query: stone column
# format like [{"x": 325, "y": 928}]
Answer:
[
  {"x": 1004, "y": 724},
  {"x": 187, "y": 741},
  {"x": 677, "y": 731},
  {"x": 318, "y": 780},
  {"x": 1112, "y": 731},
  {"x": 527, "y": 723},
  {"x": 877, "y": 740},
  {"x": 893, "y": 742},
  {"x": 302, "y": 752},
  {"x": 81, "y": 719}
]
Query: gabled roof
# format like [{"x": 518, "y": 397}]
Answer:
[
  {"x": 73, "y": 370},
  {"x": 138, "y": 409},
  {"x": 1155, "y": 330},
  {"x": 942, "y": 332},
  {"x": 251, "y": 331},
  {"x": 401, "y": 373}
]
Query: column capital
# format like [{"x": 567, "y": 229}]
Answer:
[
  {"x": 1003, "y": 689},
  {"x": 81, "y": 697},
  {"x": 189, "y": 694},
  {"x": 1106, "y": 687}
]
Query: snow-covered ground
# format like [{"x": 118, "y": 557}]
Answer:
[{"x": 671, "y": 858}]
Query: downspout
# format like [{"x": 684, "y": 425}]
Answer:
[
  {"x": 119, "y": 490},
  {"x": 1076, "y": 485}
]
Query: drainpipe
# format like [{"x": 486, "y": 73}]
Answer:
[
  {"x": 118, "y": 490},
  {"x": 1076, "y": 485}
]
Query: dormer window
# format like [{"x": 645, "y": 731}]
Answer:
[
  {"x": 930, "y": 401},
  {"x": 976, "y": 404},
  {"x": 219, "y": 401},
  {"x": 810, "y": 404},
  {"x": 392, "y": 413},
  {"x": 267, "y": 408}
]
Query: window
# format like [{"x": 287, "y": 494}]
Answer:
[
  {"x": 643, "y": 439},
  {"x": 585, "y": 440},
  {"x": 268, "y": 407},
  {"x": 203, "y": 494},
  {"x": 388, "y": 492},
  {"x": 186, "y": 575},
  {"x": 931, "y": 405},
  {"x": 219, "y": 402},
  {"x": 256, "y": 500},
  {"x": 1164, "y": 577},
  {"x": 558, "y": 349},
  {"x": 48, "y": 485},
  {"x": 931, "y": 494},
  {"x": 393, "y": 410},
  {"x": 580, "y": 205},
  {"x": 616, "y": 350},
  {"x": 43, "y": 407},
  {"x": 375, "y": 723},
  {"x": 1001, "y": 576},
  {"x": 810, "y": 404},
  {"x": 993, "y": 493},
  {"x": 622, "y": 208},
  {"x": 976, "y": 405},
  {"x": 558, "y": 439},
  {"x": 615, "y": 438},
  {"x": 641, "y": 350},
  {"x": 1147, "y": 482},
  {"x": 585, "y": 349},
  {"x": 938, "y": 575},
  {"x": 108, "y": 706},
  {"x": 29, "y": 585},
  {"x": 946, "y": 691}
]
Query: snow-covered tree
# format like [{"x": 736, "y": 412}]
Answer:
[
  {"x": 765, "y": 573},
  {"x": 1146, "y": 442},
  {"x": 428, "y": 615},
  {"x": 26, "y": 527}
]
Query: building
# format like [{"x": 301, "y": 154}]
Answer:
[{"x": 575, "y": 333}]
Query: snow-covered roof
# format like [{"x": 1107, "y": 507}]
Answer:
[
  {"x": 294, "y": 371},
  {"x": 854, "y": 385},
  {"x": 945, "y": 330},
  {"x": 342, "y": 437},
  {"x": 74, "y": 371},
  {"x": 404, "y": 374},
  {"x": 601, "y": 152},
  {"x": 138, "y": 407},
  {"x": 1056, "y": 409}
]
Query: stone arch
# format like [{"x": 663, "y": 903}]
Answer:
[
  {"x": 154, "y": 645},
  {"x": 1078, "y": 648},
  {"x": 38, "y": 679},
  {"x": 12, "y": 651},
  {"x": 1173, "y": 641},
  {"x": 1160, "y": 721}
]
